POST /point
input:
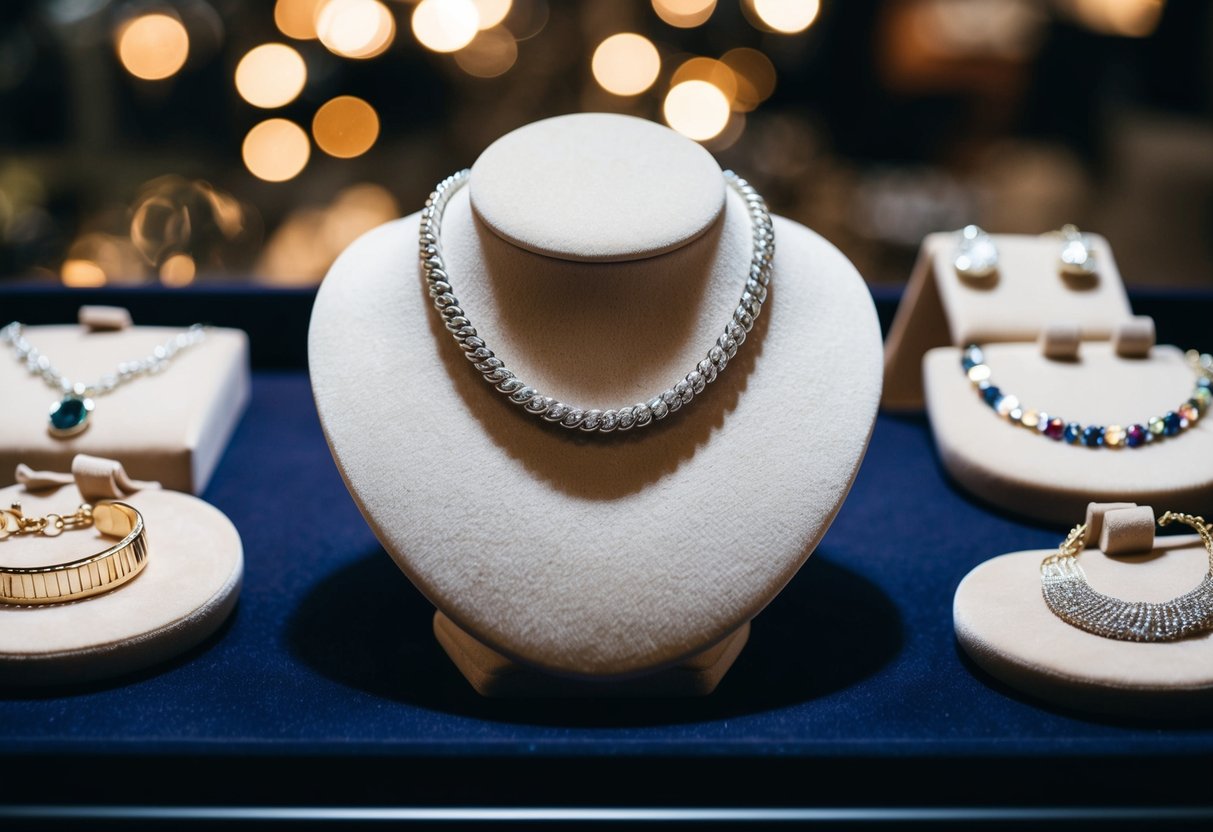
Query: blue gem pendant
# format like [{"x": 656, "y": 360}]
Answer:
[{"x": 70, "y": 416}]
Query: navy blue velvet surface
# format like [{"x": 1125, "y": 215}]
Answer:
[{"x": 330, "y": 651}]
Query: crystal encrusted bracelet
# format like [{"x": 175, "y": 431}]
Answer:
[{"x": 1171, "y": 423}]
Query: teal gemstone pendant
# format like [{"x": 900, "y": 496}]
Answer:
[{"x": 70, "y": 416}]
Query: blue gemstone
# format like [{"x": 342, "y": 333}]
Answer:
[
  {"x": 971, "y": 357},
  {"x": 69, "y": 415},
  {"x": 1092, "y": 436},
  {"x": 991, "y": 394},
  {"x": 1171, "y": 423},
  {"x": 1205, "y": 382},
  {"x": 1072, "y": 433}
]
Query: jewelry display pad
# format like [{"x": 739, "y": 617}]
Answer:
[
  {"x": 597, "y": 557},
  {"x": 1018, "y": 470},
  {"x": 171, "y": 427},
  {"x": 1026, "y": 294},
  {"x": 188, "y": 588},
  {"x": 1005, "y": 627}
]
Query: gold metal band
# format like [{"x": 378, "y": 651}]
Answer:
[{"x": 79, "y": 578}]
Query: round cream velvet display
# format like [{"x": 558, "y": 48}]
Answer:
[
  {"x": 599, "y": 555},
  {"x": 188, "y": 588},
  {"x": 653, "y": 190},
  {"x": 1013, "y": 468},
  {"x": 1004, "y": 625}
]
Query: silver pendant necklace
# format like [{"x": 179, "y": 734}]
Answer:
[{"x": 71, "y": 414}]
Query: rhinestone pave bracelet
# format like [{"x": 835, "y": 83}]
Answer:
[
  {"x": 1171, "y": 423},
  {"x": 486, "y": 362}
]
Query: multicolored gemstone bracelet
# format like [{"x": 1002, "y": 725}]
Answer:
[{"x": 1171, "y": 423}]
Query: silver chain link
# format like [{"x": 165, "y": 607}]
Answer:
[
  {"x": 38, "y": 364},
  {"x": 753, "y": 295}
]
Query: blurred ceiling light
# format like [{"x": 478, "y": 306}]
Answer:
[
  {"x": 696, "y": 109},
  {"x": 297, "y": 18},
  {"x": 357, "y": 29},
  {"x": 728, "y": 137},
  {"x": 270, "y": 75},
  {"x": 82, "y": 274},
  {"x": 714, "y": 72},
  {"x": 787, "y": 17},
  {"x": 755, "y": 75},
  {"x": 491, "y": 12},
  {"x": 1128, "y": 18},
  {"x": 178, "y": 270},
  {"x": 626, "y": 64},
  {"x": 685, "y": 14},
  {"x": 345, "y": 127},
  {"x": 527, "y": 18},
  {"x": 153, "y": 46},
  {"x": 445, "y": 25},
  {"x": 276, "y": 150},
  {"x": 491, "y": 53}
]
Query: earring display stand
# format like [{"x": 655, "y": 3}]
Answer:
[
  {"x": 598, "y": 558},
  {"x": 1004, "y": 625},
  {"x": 1008, "y": 465}
]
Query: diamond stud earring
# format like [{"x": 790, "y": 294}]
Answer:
[
  {"x": 976, "y": 254},
  {"x": 1077, "y": 256}
]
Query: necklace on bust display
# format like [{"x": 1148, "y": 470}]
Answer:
[
  {"x": 1171, "y": 423},
  {"x": 71, "y": 414},
  {"x": 555, "y": 411},
  {"x": 1074, "y": 601}
]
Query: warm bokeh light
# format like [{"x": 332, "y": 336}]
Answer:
[
  {"x": 345, "y": 127},
  {"x": 492, "y": 12},
  {"x": 755, "y": 76},
  {"x": 626, "y": 64},
  {"x": 1128, "y": 18},
  {"x": 787, "y": 16},
  {"x": 445, "y": 25},
  {"x": 153, "y": 46},
  {"x": 714, "y": 72},
  {"x": 490, "y": 54},
  {"x": 696, "y": 109},
  {"x": 82, "y": 274},
  {"x": 355, "y": 28},
  {"x": 297, "y": 18},
  {"x": 685, "y": 14},
  {"x": 276, "y": 150},
  {"x": 178, "y": 270},
  {"x": 271, "y": 75}
]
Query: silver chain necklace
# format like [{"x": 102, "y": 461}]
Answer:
[
  {"x": 70, "y": 415},
  {"x": 457, "y": 322}
]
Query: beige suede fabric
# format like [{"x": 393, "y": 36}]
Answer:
[
  {"x": 1018, "y": 471},
  {"x": 171, "y": 427},
  {"x": 597, "y": 556},
  {"x": 1004, "y": 625},
  {"x": 189, "y": 586}
]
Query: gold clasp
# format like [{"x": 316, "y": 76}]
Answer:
[{"x": 14, "y": 522}]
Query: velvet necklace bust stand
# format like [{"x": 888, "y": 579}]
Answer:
[{"x": 598, "y": 255}]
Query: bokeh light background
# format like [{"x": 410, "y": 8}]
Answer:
[{"x": 213, "y": 140}]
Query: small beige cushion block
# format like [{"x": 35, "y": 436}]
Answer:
[
  {"x": 1135, "y": 337},
  {"x": 1095, "y": 515},
  {"x": 188, "y": 588},
  {"x": 171, "y": 427},
  {"x": 1127, "y": 531},
  {"x": 1018, "y": 470},
  {"x": 1060, "y": 341},
  {"x": 1004, "y": 625}
]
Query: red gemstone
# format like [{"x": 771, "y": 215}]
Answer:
[{"x": 1055, "y": 429}]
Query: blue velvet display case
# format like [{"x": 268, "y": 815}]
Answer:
[{"x": 327, "y": 688}]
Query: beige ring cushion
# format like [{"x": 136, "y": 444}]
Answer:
[{"x": 596, "y": 556}]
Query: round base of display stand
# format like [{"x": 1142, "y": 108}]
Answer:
[
  {"x": 1005, "y": 627},
  {"x": 187, "y": 590},
  {"x": 494, "y": 675}
]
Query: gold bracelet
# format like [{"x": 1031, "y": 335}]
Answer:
[{"x": 78, "y": 578}]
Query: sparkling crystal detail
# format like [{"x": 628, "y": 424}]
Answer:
[{"x": 976, "y": 254}]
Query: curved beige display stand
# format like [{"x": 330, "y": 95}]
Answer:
[
  {"x": 1004, "y": 625},
  {"x": 1014, "y": 469},
  {"x": 596, "y": 556},
  {"x": 188, "y": 588}
]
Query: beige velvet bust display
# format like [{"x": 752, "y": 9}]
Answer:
[{"x": 596, "y": 556}]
